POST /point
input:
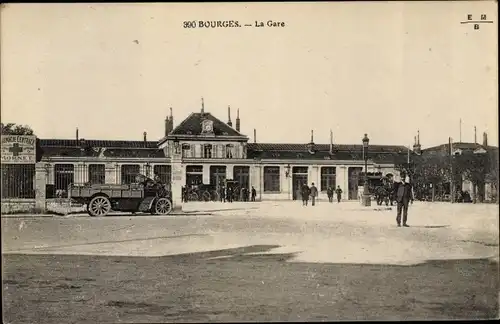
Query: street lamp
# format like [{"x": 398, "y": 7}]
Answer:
[{"x": 366, "y": 201}]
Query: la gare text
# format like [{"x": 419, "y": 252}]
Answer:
[{"x": 231, "y": 24}]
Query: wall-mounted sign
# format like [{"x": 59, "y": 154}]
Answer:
[{"x": 19, "y": 149}]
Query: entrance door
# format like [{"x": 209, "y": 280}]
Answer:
[
  {"x": 217, "y": 175},
  {"x": 242, "y": 176},
  {"x": 354, "y": 176},
  {"x": 299, "y": 178}
]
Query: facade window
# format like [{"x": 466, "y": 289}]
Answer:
[
  {"x": 129, "y": 172},
  {"x": 97, "y": 174},
  {"x": 207, "y": 151},
  {"x": 328, "y": 178},
  {"x": 163, "y": 172},
  {"x": 194, "y": 175},
  {"x": 64, "y": 175},
  {"x": 229, "y": 151},
  {"x": 271, "y": 179},
  {"x": 186, "y": 150}
]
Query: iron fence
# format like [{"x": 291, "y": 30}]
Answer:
[{"x": 18, "y": 181}]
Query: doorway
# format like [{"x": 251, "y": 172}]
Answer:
[
  {"x": 353, "y": 182},
  {"x": 299, "y": 177}
]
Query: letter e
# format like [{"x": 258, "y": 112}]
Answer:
[{"x": 469, "y": 17}]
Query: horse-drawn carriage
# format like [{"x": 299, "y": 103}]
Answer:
[{"x": 145, "y": 195}]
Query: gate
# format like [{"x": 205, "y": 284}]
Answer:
[{"x": 299, "y": 178}]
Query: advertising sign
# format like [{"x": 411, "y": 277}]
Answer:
[{"x": 18, "y": 149}]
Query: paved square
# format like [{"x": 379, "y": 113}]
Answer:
[{"x": 255, "y": 261}]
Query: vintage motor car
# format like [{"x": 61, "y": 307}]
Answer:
[{"x": 145, "y": 195}]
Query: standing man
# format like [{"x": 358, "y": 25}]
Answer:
[
  {"x": 404, "y": 196},
  {"x": 338, "y": 191},
  {"x": 314, "y": 193},
  {"x": 222, "y": 193},
  {"x": 229, "y": 194},
  {"x": 305, "y": 194},
  {"x": 329, "y": 192},
  {"x": 254, "y": 193}
]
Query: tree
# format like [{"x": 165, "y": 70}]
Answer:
[
  {"x": 13, "y": 129},
  {"x": 473, "y": 167}
]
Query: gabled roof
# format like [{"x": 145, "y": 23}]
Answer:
[{"x": 192, "y": 126}]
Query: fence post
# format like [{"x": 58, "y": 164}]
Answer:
[{"x": 40, "y": 187}]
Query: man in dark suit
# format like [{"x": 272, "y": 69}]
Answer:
[{"x": 404, "y": 195}]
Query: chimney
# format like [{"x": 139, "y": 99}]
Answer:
[
  {"x": 171, "y": 121},
  {"x": 145, "y": 137},
  {"x": 254, "y": 135},
  {"x": 417, "y": 148},
  {"x": 475, "y": 135},
  {"x": 331, "y": 141},
  {"x": 238, "y": 120},
  {"x": 485, "y": 139},
  {"x": 312, "y": 136},
  {"x": 77, "y": 134},
  {"x": 202, "y": 106},
  {"x": 167, "y": 125},
  {"x": 229, "y": 122}
]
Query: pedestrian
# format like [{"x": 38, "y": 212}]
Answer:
[
  {"x": 229, "y": 194},
  {"x": 313, "y": 192},
  {"x": 338, "y": 191},
  {"x": 329, "y": 193},
  {"x": 305, "y": 194},
  {"x": 404, "y": 196},
  {"x": 222, "y": 194},
  {"x": 254, "y": 193}
]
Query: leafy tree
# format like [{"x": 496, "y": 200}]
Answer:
[
  {"x": 473, "y": 167},
  {"x": 14, "y": 129}
]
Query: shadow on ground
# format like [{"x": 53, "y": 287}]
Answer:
[{"x": 248, "y": 284}]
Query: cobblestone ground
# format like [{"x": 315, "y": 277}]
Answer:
[{"x": 254, "y": 261}]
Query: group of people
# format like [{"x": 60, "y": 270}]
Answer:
[
  {"x": 311, "y": 192},
  {"x": 227, "y": 194}
]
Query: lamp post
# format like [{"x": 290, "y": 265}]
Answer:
[
  {"x": 287, "y": 175},
  {"x": 366, "y": 201}
]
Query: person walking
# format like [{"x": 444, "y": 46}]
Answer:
[
  {"x": 338, "y": 191},
  {"x": 313, "y": 192},
  {"x": 222, "y": 194},
  {"x": 329, "y": 193},
  {"x": 404, "y": 196},
  {"x": 254, "y": 193},
  {"x": 305, "y": 194}
]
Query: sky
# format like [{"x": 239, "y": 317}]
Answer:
[{"x": 385, "y": 69}]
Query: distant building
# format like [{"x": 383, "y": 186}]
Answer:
[
  {"x": 485, "y": 191},
  {"x": 213, "y": 151}
]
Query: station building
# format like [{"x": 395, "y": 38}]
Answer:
[{"x": 204, "y": 149}]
